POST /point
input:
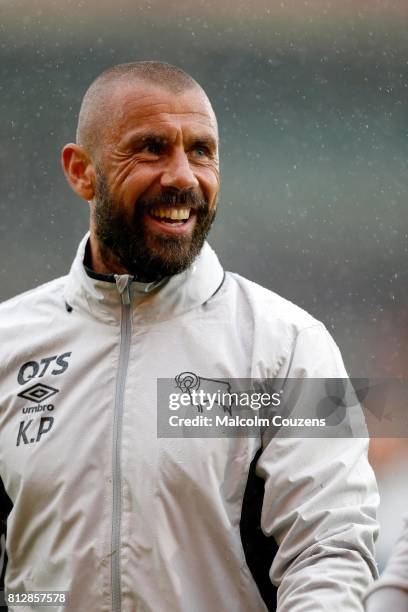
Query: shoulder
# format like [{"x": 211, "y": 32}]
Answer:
[
  {"x": 28, "y": 320},
  {"x": 284, "y": 338},
  {"x": 31, "y": 304},
  {"x": 268, "y": 306}
]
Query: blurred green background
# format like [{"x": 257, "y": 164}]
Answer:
[{"x": 311, "y": 99}]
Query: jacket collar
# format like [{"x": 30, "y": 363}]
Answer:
[{"x": 149, "y": 301}]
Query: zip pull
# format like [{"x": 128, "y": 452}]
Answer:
[{"x": 123, "y": 286}]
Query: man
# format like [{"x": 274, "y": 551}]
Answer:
[{"x": 98, "y": 505}]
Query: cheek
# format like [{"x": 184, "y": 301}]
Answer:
[
  {"x": 137, "y": 183},
  {"x": 210, "y": 184}
]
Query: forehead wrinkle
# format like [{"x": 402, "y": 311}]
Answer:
[
  {"x": 169, "y": 113},
  {"x": 133, "y": 103},
  {"x": 164, "y": 122},
  {"x": 164, "y": 125}
]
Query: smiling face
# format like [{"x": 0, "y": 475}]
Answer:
[{"x": 156, "y": 181}]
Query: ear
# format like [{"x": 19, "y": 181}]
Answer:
[{"x": 79, "y": 170}]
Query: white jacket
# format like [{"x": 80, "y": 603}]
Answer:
[{"x": 128, "y": 522}]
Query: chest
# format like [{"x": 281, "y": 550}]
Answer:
[{"x": 75, "y": 400}]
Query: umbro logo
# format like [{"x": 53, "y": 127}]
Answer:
[{"x": 38, "y": 393}]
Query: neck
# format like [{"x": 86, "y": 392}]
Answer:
[
  {"x": 101, "y": 263},
  {"x": 106, "y": 263}
]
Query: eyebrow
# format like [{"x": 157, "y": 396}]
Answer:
[
  {"x": 143, "y": 137},
  {"x": 205, "y": 141},
  {"x": 139, "y": 138}
]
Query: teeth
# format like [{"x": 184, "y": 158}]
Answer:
[{"x": 175, "y": 214}]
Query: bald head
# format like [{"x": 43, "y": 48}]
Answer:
[{"x": 96, "y": 107}]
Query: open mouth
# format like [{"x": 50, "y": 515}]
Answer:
[
  {"x": 173, "y": 216},
  {"x": 171, "y": 220}
]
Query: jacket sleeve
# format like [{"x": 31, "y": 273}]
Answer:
[
  {"x": 320, "y": 501},
  {"x": 391, "y": 591}
]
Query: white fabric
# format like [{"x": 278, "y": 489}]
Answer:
[
  {"x": 391, "y": 590},
  {"x": 387, "y": 598},
  {"x": 181, "y": 498}
]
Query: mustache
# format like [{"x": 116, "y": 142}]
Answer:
[{"x": 189, "y": 198}]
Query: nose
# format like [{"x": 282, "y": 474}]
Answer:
[{"x": 178, "y": 173}]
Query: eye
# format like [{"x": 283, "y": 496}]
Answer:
[
  {"x": 155, "y": 148},
  {"x": 201, "y": 151}
]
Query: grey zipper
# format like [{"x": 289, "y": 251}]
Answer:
[{"x": 123, "y": 286}]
